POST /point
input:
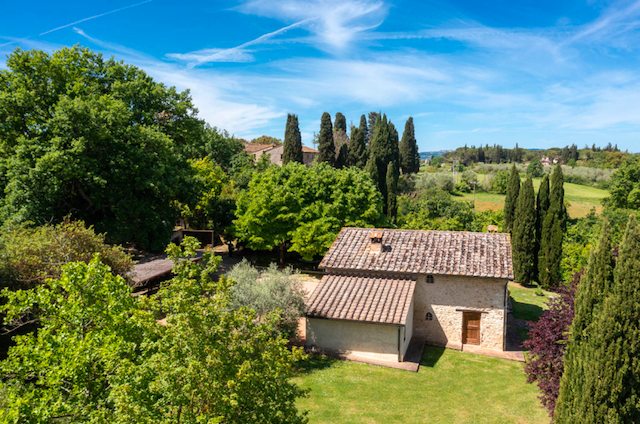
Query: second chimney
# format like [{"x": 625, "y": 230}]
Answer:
[{"x": 376, "y": 242}]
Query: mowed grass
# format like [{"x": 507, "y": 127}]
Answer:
[
  {"x": 581, "y": 199},
  {"x": 526, "y": 304},
  {"x": 451, "y": 387}
]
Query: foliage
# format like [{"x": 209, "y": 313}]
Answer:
[
  {"x": 269, "y": 292},
  {"x": 364, "y": 129},
  {"x": 342, "y": 159},
  {"x": 340, "y": 123},
  {"x": 64, "y": 371},
  {"x": 437, "y": 161},
  {"x": 625, "y": 186},
  {"x": 592, "y": 177},
  {"x": 542, "y": 206},
  {"x": 306, "y": 206},
  {"x": 594, "y": 287},
  {"x": 608, "y": 389},
  {"x": 326, "y": 146},
  {"x": 534, "y": 169},
  {"x": 30, "y": 255},
  {"x": 265, "y": 139},
  {"x": 547, "y": 344},
  {"x": 553, "y": 227},
  {"x": 513, "y": 189},
  {"x": 100, "y": 141},
  {"x": 442, "y": 180},
  {"x": 469, "y": 179},
  {"x": 500, "y": 182},
  {"x": 392, "y": 188},
  {"x": 242, "y": 169},
  {"x": 100, "y": 355},
  {"x": 358, "y": 153},
  {"x": 292, "y": 150},
  {"x": 524, "y": 235},
  {"x": 383, "y": 150},
  {"x": 409, "y": 156}
]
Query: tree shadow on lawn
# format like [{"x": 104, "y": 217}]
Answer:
[
  {"x": 526, "y": 311},
  {"x": 315, "y": 362},
  {"x": 431, "y": 355}
]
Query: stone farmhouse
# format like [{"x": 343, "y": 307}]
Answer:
[
  {"x": 275, "y": 151},
  {"x": 384, "y": 287}
]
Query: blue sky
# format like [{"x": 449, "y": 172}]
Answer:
[{"x": 542, "y": 74}]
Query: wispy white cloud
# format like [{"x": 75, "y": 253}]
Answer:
[
  {"x": 335, "y": 23},
  {"x": 82, "y": 20}
]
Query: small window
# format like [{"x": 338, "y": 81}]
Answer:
[
  {"x": 429, "y": 278},
  {"x": 429, "y": 316}
]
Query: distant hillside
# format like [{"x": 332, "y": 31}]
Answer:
[{"x": 425, "y": 155}]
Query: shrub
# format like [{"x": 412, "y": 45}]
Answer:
[
  {"x": 267, "y": 292},
  {"x": 28, "y": 256},
  {"x": 500, "y": 182}
]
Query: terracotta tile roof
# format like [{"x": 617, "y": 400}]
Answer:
[
  {"x": 423, "y": 252},
  {"x": 253, "y": 148},
  {"x": 306, "y": 149},
  {"x": 362, "y": 298}
]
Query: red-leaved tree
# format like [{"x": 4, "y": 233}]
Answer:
[{"x": 547, "y": 343}]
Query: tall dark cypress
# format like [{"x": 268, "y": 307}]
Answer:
[
  {"x": 513, "y": 189},
  {"x": 292, "y": 149},
  {"x": 343, "y": 157},
  {"x": 594, "y": 287},
  {"x": 326, "y": 147},
  {"x": 608, "y": 390},
  {"x": 524, "y": 234},
  {"x": 542, "y": 206},
  {"x": 392, "y": 186},
  {"x": 340, "y": 123},
  {"x": 358, "y": 153},
  {"x": 409, "y": 156},
  {"x": 364, "y": 129},
  {"x": 550, "y": 255},
  {"x": 384, "y": 149}
]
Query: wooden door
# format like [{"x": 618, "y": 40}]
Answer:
[{"x": 471, "y": 328}]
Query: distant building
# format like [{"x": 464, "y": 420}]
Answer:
[{"x": 257, "y": 150}]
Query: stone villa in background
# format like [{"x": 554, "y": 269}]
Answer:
[
  {"x": 384, "y": 287},
  {"x": 275, "y": 151}
]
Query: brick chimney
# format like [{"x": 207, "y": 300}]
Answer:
[{"x": 376, "y": 242}]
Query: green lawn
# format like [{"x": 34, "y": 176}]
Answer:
[
  {"x": 581, "y": 198},
  {"x": 526, "y": 304},
  {"x": 451, "y": 387}
]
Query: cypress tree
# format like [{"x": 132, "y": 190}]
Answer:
[
  {"x": 524, "y": 234},
  {"x": 342, "y": 159},
  {"x": 409, "y": 156},
  {"x": 550, "y": 254},
  {"x": 542, "y": 206},
  {"x": 326, "y": 147},
  {"x": 513, "y": 189},
  {"x": 392, "y": 185},
  {"x": 594, "y": 287},
  {"x": 609, "y": 387},
  {"x": 364, "y": 129},
  {"x": 292, "y": 149},
  {"x": 384, "y": 149},
  {"x": 358, "y": 153},
  {"x": 340, "y": 123}
]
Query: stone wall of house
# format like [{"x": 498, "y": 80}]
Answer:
[{"x": 448, "y": 297}]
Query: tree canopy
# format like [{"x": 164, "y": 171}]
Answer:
[
  {"x": 409, "y": 155},
  {"x": 326, "y": 146},
  {"x": 100, "y": 141},
  {"x": 292, "y": 150},
  {"x": 305, "y": 206}
]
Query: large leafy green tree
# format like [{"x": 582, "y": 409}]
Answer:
[
  {"x": 625, "y": 186},
  {"x": 305, "y": 206},
  {"x": 99, "y": 140},
  {"x": 602, "y": 384},
  {"x": 409, "y": 156},
  {"x": 326, "y": 146},
  {"x": 101, "y": 356},
  {"x": 292, "y": 150},
  {"x": 513, "y": 190},
  {"x": 550, "y": 255},
  {"x": 524, "y": 235}
]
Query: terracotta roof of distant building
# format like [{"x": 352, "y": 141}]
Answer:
[
  {"x": 423, "y": 252},
  {"x": 306, "y": 149},
  {"x": 252, "y": 148},
  {"x": 361, "y": 298}
]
